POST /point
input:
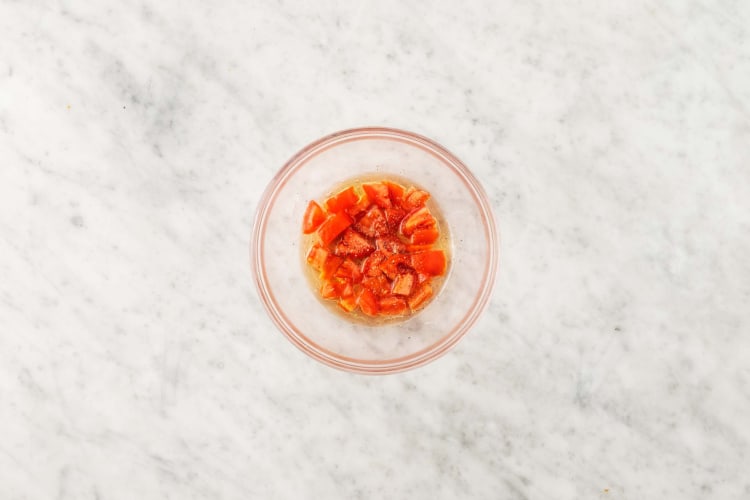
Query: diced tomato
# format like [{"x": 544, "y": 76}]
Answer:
[
  {"x": 378, "y": 194},
  {"x": 349, "y": 270},
  {"x": 373, "y": 223},
  {"x": 414, "y": 198},
  {"x": 431, "y": 262},
  {"x": 379, "y": 285},
  {"x": 348, "y": 303},
  {"x": 371, "y": 265},
  {"x": 333, "y": 226},
  {"x": 330, "y": 266},
  {"x": 353, "y": 244},
  {"x": 313, "y": 218},
  {"x": 393, "y": 305},
  {"x": 420, "y": 218},
  {"x": 368, "y": 302},
  {"x": 342, "y": 200},
  {"x": 403, "y": 284},
  {"x": 358, "y": 208},
  {"x": 395, "y": 264},
  {"x": 390, "y": 244},
  {"x": 317, "y": 257},
  {"x": 393, "y": 217},
  {"x": 422, "y": 293},
  {"x": 424, "y": 236},
  {"x": 396, "y": 192},
  {"x": 329, "y": 290}
]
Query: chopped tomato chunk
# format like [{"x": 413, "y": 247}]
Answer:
[
  {"x": 373, "y": 223},
  {"x": 393, "y": 305},
  {"x": 414, "y": 198},
  {"x": 424, "y": 236},
  {"x": 431, "y": 262},
  {"x": 395, "y": 264},
  {"x": 368, "y": 302},
  {"x": 350, "y": 271},
  {"x": 348, "y": 303},
  {"x": 422, "y": 293},
  {"x": 316, "y": 256},
  {"x": 333, "y": 226},
  {"x": 342, "y": 200},
  {"x": 378, "y": 194},
  {"x": 390, "y": 244},
  {"x": 419, "y": 218},
  {"x": 393, "y": 217},
  {"x": 379, "y": 285},
  {"x": 330, "y": 266},
  {"x": 355, "y": 245},
  {"x": 371, "y": 265},
  {"x": 313, "y": 218},
  {"x": 396, "y": 192},
  {"x": 403, "y": 284}
]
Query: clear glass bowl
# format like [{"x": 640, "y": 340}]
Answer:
[{"x": 295, "y": 306}]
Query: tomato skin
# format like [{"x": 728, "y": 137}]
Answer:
[
  {"x": 431, "y": 262},
  {"x": 333, "y": 226},
  {"x": 424, "y": 236},
  {"x": 313, "y": 217},
  {"x": 419, "y": 218},
  {"x": 377, "y": 192},
  {"x": 393, "y": 305},
  {"x": 368, "y": 302},
  {"x": 342, "y": 200},
  {"x": 419, "y": 296}
]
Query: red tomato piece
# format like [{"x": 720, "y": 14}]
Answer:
[
  {"x": 393, "y": 217},
  {"x": 333, "y": 226},
  {"x": 431, "y": 262},
  {"x": 414, "y": 198},
  {"x": 403, "y": 284},
  {"x": 420, "y": 295},
  {"x": 378, "y": 285},
  {"x": 329, "y": 290},
  {"x": 396, "y": 192},
  {"x": 424, "y": 236},
  {"x": 313, "y": 218},
  {"x": 373, "y": 223},
  {"x": 393, "y": 305},
  {"x": 390, "y": 244},
  {"x": 368, "y": 302},
  {"x": 359, "y": 207},
  {"x": 420, "y": 218},
  {"x": 378, "y": 194},
  {"x": 349, "y": 270},
  {"x": 395, "y": 264},
  {"x": 348, "y": 303},
  {"x": 342, "y": 200},
  {"x": 353, "y": 244},
  {"x": 317, "y": 257},
  {"x": 422, "y": 278},
  {"x": 371, "y": 265},
  {"x": 330, "y": 266}
]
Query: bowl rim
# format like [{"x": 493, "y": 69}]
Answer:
[{"x": 320, "y": 353}]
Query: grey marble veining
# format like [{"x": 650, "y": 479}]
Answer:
[{"x": 135, "y": 142}]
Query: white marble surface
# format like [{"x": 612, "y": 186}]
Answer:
[{"x": 135, "y": 141}]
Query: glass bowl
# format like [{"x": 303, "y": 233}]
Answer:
[{"x": 295, "y": 307}]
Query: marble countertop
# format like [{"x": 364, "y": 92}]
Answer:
[{"x": 137, "y": 362}]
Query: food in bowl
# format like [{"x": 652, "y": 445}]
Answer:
[{"x": 375, "y": 248}]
